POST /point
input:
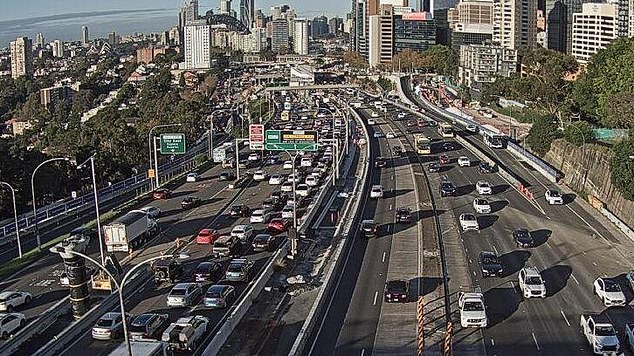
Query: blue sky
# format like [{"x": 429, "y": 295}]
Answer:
[{"x": 12, "y": 10}]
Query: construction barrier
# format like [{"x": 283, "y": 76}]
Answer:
[
  {"x": 448, "y": 337},
  {"x": 420, "y": 324}
]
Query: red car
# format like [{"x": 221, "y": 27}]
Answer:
[
  {"x": 279, "y": 225},
  {"x": 443, "y": 159},
  {"x": 162, "y": 194},
  {"x": 207, "y": 236}
]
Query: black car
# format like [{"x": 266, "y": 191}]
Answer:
[
  {"x": 403, "y": 215},
  {"x": 523, "y": 238},
  {"x": 149, "y": 325},
  {"x": 368, "y": 228},
  {"x": 272, "y": 204},
  {"x": 380, "y": 162},
  {"x": 190, "y": 202},
  {"x": 240, "y": 211},
  {"x": 208, "y": 272},
  {"x": 447, "y": 188},
  {"x": 490, "y": 264},
  {"x": 396, "y": 291},
  {"x": 224, "y": 176},
  {"x": 485, "y": 168},
  {"x": 397, "y": 151},
  {"x": 279, "y": 195},
  {"x": 448, "y": 146},
  {"x": 434, "y": 167},
  {"x": 263, "y": 242},
  {"x": 167, "y": 270}
]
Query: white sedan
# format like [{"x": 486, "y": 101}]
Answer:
[
  {"x": 287, "y": 187},
  {"x": 313, "y": 181},
  {"x": 553, "y": 197},
  {"x": 463, "y": 161},
  {"x": 401, "y": 115},
  {"x": 374, "y": 114},
  {"x": 259, "y": 175},
  {"x": 302, "y": 190},
  {"x": 260, "y": 216},
  {"x": 10, "y": 323},
  {"x": 276, "y": 179},
  {"x": 253, "y": 157},
  {"x": 9, "y": 300},
  {"x": 390, "y": 135},
  {"x": 192, "y": 177},
  {"x": 287, "y": 165},
  {"x": 292, "y": 178},
  {"x": 610, "y": 292},
  {"x": 481, "y": 206},
  {"x": 484, "y": 188},
  {"x": 287, "y": 212},
  {"x": 371, "y": 122},
  {"x": 469, "y": 221},
  {"x": 376, "y": 192}
]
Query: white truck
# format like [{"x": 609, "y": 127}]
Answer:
[
  {"x": 221, "y": 154},
  {"x": 186, "y": 333},
  {"x": 472, "y": 310},
  {"x": 143, "y": 347},
  {"x": 129, "y": 231},
  {"x": 600, "y": 334}
]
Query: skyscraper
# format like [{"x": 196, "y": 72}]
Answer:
[
  {"x": 335, "y": 25},
  {"x": 300, "y": 36},
  {"x": 225, "y": 7},
  {"x": 58, "y": 49},
  {"x": 39, "y": 40},
  {"x": 188, "y": 13},
  {"x": 559, "y": 14},
  {"x": 353, "y": 30},
  {"x": 515, "y": 23},
  {"x": 197, "y": 45},
  {"x": 279, "y": 35},
  {"x": 247, "y": 10},
  {"x": 20, "y": 57},
  {"x": 84, "y": 35},
  {"x": 319, "y": 26}
]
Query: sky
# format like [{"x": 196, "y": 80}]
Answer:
[{"x": 21, "y": 9}]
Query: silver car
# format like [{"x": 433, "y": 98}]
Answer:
[
  {"x": 109, "y": 326},
  {"x": 183, "y": 295}
]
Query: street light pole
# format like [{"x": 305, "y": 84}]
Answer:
[
  {"x": 15, "y": 214},
  {"x": 149, "y": 147},
  {"x": 37, "y": 230},
  {"x": 94, "y": 189}
]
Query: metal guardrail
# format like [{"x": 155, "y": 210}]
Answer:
[
  {"x": 35, "y": 327},
  {"x": 59, "y": 209},
  {"x": 360, "y": 195}
]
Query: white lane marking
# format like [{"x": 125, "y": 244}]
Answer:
[
  {"x": 492, "y": 342},
  {"x": 575, "y": 278},
  {"x": 390, "y": 207},
  {"x": 376, "y": 295},
  {"x": 383, "y": 259},
  {"x": 566, "y": 319},
  {"x": 536, "y": 344},
  {"x": 362, "y": 352},
  {"x": 594, "y": 263},
  {"x": 496, "y": 250},
  {"x": 513, "y": 286}
]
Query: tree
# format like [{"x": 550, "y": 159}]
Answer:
[
  {"x": 578, "y": 133},
  {"x": 622, "y": 167},
  {"x": 444, "y": 60},
  {"x": 355, "y": 60},
  {"x": 385, "y": 84},
  {"x": 618, "y": 110},
  {"x": 542, "y": 134}
]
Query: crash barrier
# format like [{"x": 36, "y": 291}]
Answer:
[
  {"x": 74, "y": 331},
  {"x": 359, "y": 195},
  {"x": 420, "y": 325},
  {"x": 537, "y": 163},
  {"x": 231, "y": 322},
  {"x": 59, "y": 210},
  {"x": 600, "y": 206},
  {"x": 35, "y": 327},
  {"x": 525, "y": 192}
]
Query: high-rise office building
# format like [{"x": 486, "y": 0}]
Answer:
[
  {"x": 352, "y": 27},
  {"x": 113, "y": 39},
  {"x": 84, "y": 35},
  {"x": 335, "y": 25},
  {"x": 276, "y": 12},
  {"x": 188, "y": 13},
  {"x": 593, "y": 29},
  {"x": 361, "y": 28},
  {"x": 463, "y": 34},
  {"x": 415, "y": 31},
  {"x": 300, "y": 36},
  {"x": 471, "y": 12},
  {"x": 58, "y": 48},
  {"x": 443, "y": 33},
  {"x": 515, "y": 23},
  {"x": 247, "y": 11},
  {"x": 197, "y": 45},
  {"x": 381, "y": 39},
  {"x": 624, "y": 14},
  {"x": 559, "y": 14},
  {"x": 20, "y": 57},
  {"x": 259, "y": 20},
  {"x": 319, "y": 26},
  {"x": 225, "y": 7},
  {"x": 279, "y": 35},
  {"x": 39, "y": 40}
]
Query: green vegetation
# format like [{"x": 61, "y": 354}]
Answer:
[
  {"x": 437, "y": 59},
  {"x": 543, "y": 132},
  {"x": 578, "y": 133},
  {"x": 622, "y": 167},
  {"x": 385, "y": 84}
]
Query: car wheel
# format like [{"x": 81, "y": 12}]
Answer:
[
  {"x": 22, "y": 323},
  {"x": 27, "y": 300}
]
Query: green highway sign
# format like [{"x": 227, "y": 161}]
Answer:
[
  {"x": 173, "y": 144},
  {"x": 290, "y": 140}
]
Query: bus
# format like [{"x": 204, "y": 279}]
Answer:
[
  {"x": 494, "y": 140},
  {"x": 423, "y": 144},
  {"x": 445, "y": 130}
]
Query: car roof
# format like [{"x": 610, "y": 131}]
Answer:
[
  {"x": 368, "y": 221},
  {"x": 531, "y": 271},
  {"x": 183, "y": 285}
]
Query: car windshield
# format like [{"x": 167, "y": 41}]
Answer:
[
  {"x": 214, "y": 293},
  {"x": 396, "y": 287},
  {"x": 610, "y": 286},
  {"x": 534, "y": 280},
  {"x": 473, "y": 306},
  {"x": 257, "y": 213},
  {"x": 468, "y": 217},
  {"x": 489, "y": 259},
  {"x": 204, "y": 233},
  {"x": 447, "y": 185},
  {"x": 554, "y": 193},
  {"x": 234, "y": 267},
  {"x": 368, "y": 225},
  {"x": 261, "y": 238},
  {"x": 104, "y": 323},
  {"x": 605, "y": 330},
  {"x": 179, "y": 291},
  {"x": 203, "y": 268}
]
